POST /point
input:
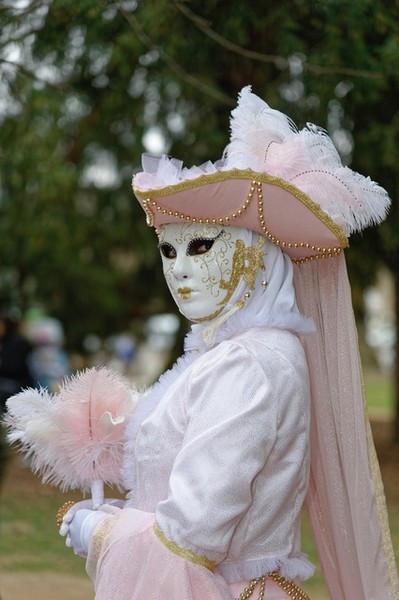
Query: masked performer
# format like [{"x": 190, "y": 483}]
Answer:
[{"x": 265, "y": 408}]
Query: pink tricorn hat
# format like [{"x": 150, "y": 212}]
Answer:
[
  {"x": 286, "y": 184},
  {"x": 256, "y": 201}
]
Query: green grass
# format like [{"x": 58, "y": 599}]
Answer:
[
  {"x": 29, "y": 536},
  {"x": 379, "y": 394},
  {"x": 315, "y": 586}
]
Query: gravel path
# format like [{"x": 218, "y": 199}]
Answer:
[{"x": 44, "y": 586}]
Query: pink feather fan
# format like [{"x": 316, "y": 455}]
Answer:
[{"x": 75, "y": 438}]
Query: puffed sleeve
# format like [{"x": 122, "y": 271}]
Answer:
[{"x": 231, "y": 429}]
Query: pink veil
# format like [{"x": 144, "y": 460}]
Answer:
[{"x": 345, "y": 501}]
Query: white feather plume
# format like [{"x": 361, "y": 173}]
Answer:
[
  {"x": 306, "y": 158},
  {"x": 31, "y": 420},
  {"x": 74, "y": 438}
]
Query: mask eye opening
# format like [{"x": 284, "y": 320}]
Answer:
[
  {"x": 201, "y": 245},
  {"x": 167, "y": 250}
]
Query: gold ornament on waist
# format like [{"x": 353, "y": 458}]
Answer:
[{"x": 290, "y": 587}]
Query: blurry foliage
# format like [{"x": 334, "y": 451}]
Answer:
[{"x": 95, "y": 77}]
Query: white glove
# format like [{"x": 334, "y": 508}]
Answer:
[
  {"x": 109, "y": 506},
  {"x": 81, "y": 529},
  {"x": 80, "y": 521}
]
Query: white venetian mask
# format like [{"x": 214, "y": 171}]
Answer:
[{"x": 203, "y": 265}]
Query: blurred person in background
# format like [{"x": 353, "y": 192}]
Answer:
[
  {"x": 49, "y": 362},
  {"x": 15, "y": 352},
  {"x": 15, "y": 374}
]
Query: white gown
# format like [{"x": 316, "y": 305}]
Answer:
[{"x": 221, "y": 467}]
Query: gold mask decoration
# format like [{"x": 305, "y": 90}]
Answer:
[{"x": 247, "y": 260}]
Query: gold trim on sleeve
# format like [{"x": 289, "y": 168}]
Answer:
[
  {"x": 101, "y": 531},
  {"x": 199, "y": 559}
]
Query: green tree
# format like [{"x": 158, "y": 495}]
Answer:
[{"x": 98, "y": 81}]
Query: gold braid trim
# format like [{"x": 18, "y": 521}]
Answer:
[
  {"x": 386, "y": 539},
  {"x": 101, "y": 531},
  {"x": 199, "y": 559}
]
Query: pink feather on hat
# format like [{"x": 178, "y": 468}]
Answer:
[{"x": 75, "y": 438}]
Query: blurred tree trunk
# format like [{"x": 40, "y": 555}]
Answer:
[{"x": 396, "y": 371}]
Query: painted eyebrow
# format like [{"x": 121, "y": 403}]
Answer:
[{"x": 203, "y": 239}]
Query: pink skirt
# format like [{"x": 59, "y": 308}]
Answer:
[{"x": 132, "y": 564}]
